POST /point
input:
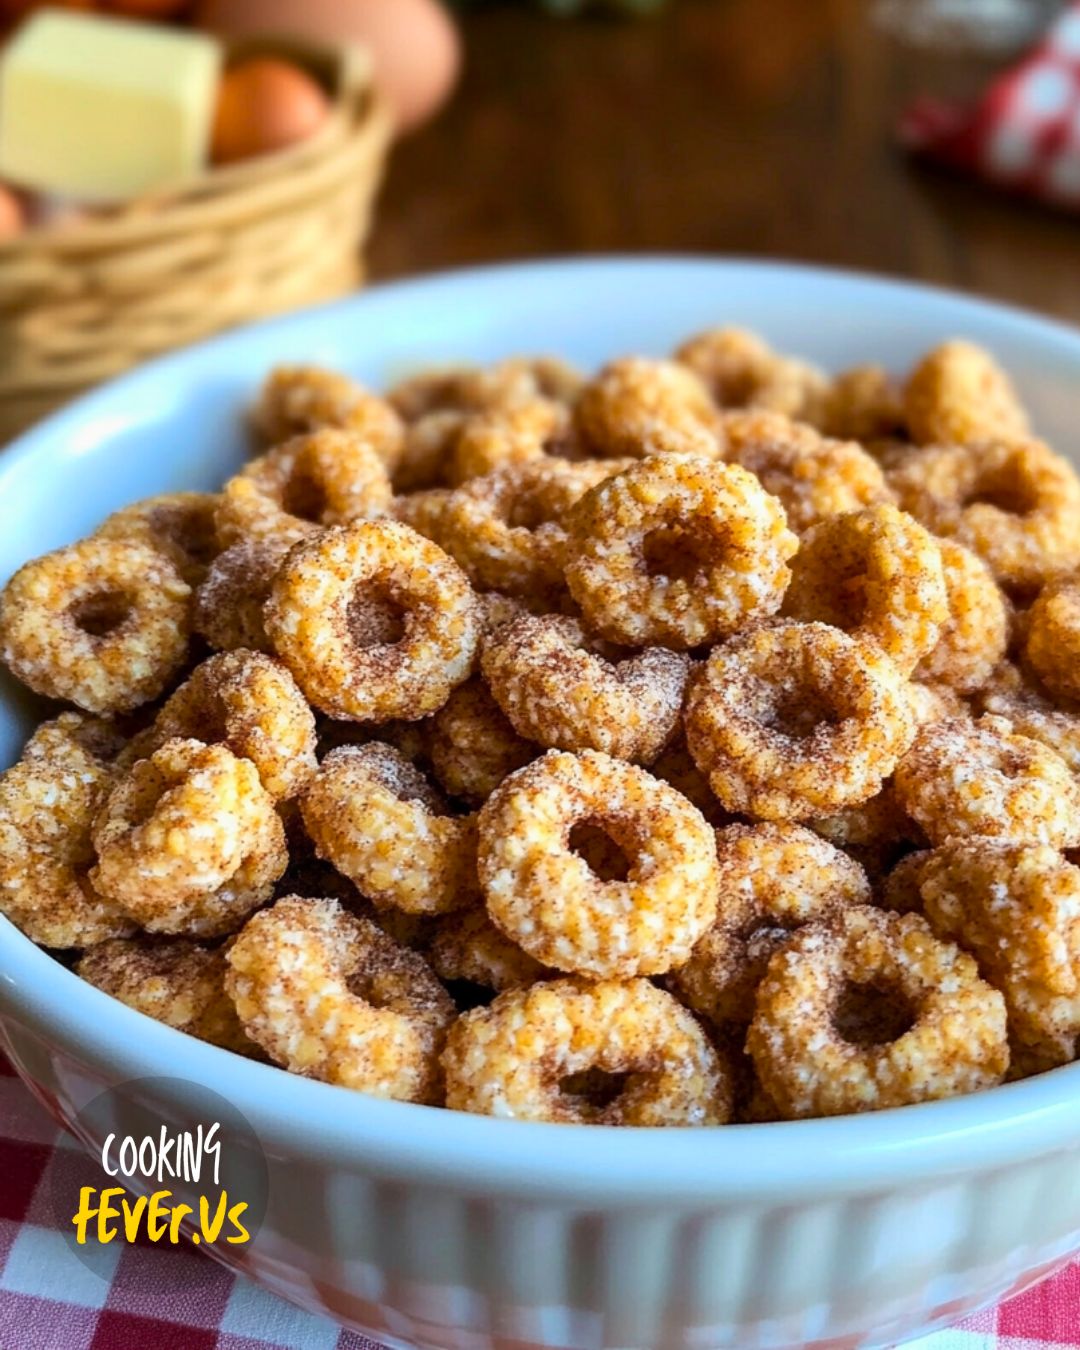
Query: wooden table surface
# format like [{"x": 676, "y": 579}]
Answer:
[{"x": 722, "y": 126}]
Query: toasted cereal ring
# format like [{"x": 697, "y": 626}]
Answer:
[
  {"x": 1015, "y": 907},
  {"x": 959, "y": 395},
  {"x": 901, "y": 889},
  {"x": 677, "y": 551},
  {"x": 1016, "y": 505},
  {"x": 472, "y": 745},
  {"x": 742, "y": 371},
  {"x": 514, "y": 434},
  {"x": 103, "y": 624},
  {"x": 935, "y": 702},
  {"x": 635, "y": 408},
  {"x": 773, "y": 880},
  {"x": 171, "y": 980},
  {"x": 558, "y": 690},
  {"x": 964, "y": 778},
  {"x": 326, "y": 477},
  {"x": 249, "y": 702},
  {"x": 877, "y": 833},
  {"x": 474, "y": 389},
  {"x": 869, "y": 1010},
  {"x": 188, "y": 841},
  {"x": 558, "y": 1050},
  {"x": 863, "y": 404},
  {"x": 875, "y": 574},
  {"x": 1012, "y": 694},
  {"x": 336, "y": 613},
  {"x": 428, "y": 451},
  {"x": 330, "y": 996},
  {"x": 48, "y": 802},
  {"x": 372, "y": 814},
  {"x": 1053, "y": 637},
  {"x": 179, "y": 525},
  {"x": 675, "y": 765},
  {"x": 813, "y": 477},
  {"x": 468, "y": 947},
  {"x": 229, "y": 603},
  {"x": 544, "y": 895},
  {"x": 974, "y": 636},
  {"x": 794, "y": 720},
  {"x": 296, "y": 400}
]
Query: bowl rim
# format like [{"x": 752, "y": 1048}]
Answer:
[{"x": 580, "y": 1164}]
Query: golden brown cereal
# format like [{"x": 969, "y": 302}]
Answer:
[
  {"x": 472, "y": 745},
  {"x": 1016, "y": 504},
  {"x": 742, "y": 371},
  {"x": 901, "y": 890},
  {"x": 959, "y": 395},
  {"x": 299, "y": 399},
  {"x": 179, "y": 525},
  {"x": 964, "y": 778},
  {"x": 469, "y": 947},
  {"x": 813, "y": 477},
  {"x": 48, "y": 802},
  {"x": 514, "y": 434},
  {"x": 773, "y": 880},
  {"x": 635, "y": 408},
  {"x": 428, "y": 451},
  {"x": 103, "y": 624},
  {"x": 863, "y": 404},
  {"x": 1053, "y": 637},
  {"x": 877, "y": 833},
  {"x": 675, "y": 765},
  {"x": 677, "y": 551},
  {"x": 1012, "y": 694},
  {"x": 188, "y": 841},
  {"x": 794, "y": 720},
  {"x": 544, "y": 895},
  {"x": 1016, "y": 908},
  {"x": 323, "y": 478},
  {"x": 229, "y": 603},
  {"x": 173, "y": 981},
  {"x": 935, "y": 702},
  {"x": 474, "y": 389},
  {"x": 974, "y": 636},
  {"x": 875, "y": 574},
  {"x": 249, "y": 702},
  {"x": 557, "y": 689},
  {"x": 558, "y": 1051},
  {"x": 869, "y": 1010},
  {"x": 374, "y": 621},
  {"x": 330, "y": 996},
  {"x": 372, "y": 814}
]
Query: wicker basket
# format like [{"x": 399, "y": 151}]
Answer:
[{"x": 83, "y": 301}]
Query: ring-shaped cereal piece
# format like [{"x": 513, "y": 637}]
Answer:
[
  {"x": 472, "y": 745},
  {"x": 103, "y": 624},
  {"x": 740, "y": 370},
  {"x": 373, "y": 815},
  {"x": 180, "y": 525},
  {"x": 229, "y": 604},
  {"x": 870, "y": 1010},
  {"x": 472, "y": 389},
  {"x": 877, "y": 833},
  {"x": 635, "y": 408},
  {"x": 428, "y": 452},
  {"x": 774, "y": 879},
  {"x": 1013, "y": 695},
  {"x": 48, "y": 803},
  {"x": 177, "y": 982},
  {"x": 1014, "y": 907},
  {"x": 791, "y": 721},
  {"x": 677, "y": 551},
  {"x": 188, "y": 841},
  {"x": 1053, "y": 638},
  {"x": 611, "y": 1053},
  {"x": 863, "y": 404},
  {"x": 973, "y": 638},
  {"x": 675, "y": 765},
  {"x": 331, "y": 996},
  {"x": 811, "y": 475},
  {"x": 326, "y": 477},
  {"x": 545, "y": 896},
  {"x": 296, "y": 400},
  {"x": 515, "y": 434},
  {"x": 374, "y": 621},
  {"x": 964, "y": 778},
  {"x": 249, "y": 702},
  {"x": 560, "y": 692},
  {"x": 468, "y": 947},
  {"x": 875, "y": 574},
  {"x": 959, "y": 395},
  {"x": 1015, "y": 504}
]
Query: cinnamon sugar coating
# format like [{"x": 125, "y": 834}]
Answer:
[
  {"x": 229, "y": 603},
  {"x": 1053, "y": 638},
  {"x": 468, "y": 946},
  {"x": 973, "y": 638},
  {"x": 179, "y": 525},
  {"x": 636, "y": 407},
  {"x": 296, "y": 400},
  {"x": 741, "y": 370},
  {"x": 959, "y": 395},
  {"x": 472, "y": 744}
]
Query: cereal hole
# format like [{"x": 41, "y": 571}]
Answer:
[
  {"x": 191, "y": 531},
  {"x": 376, "y": 619},
  {"x": 799, "y": 713},
  {"x": 1006, "y": 489},
  {"x": 868, "y": 1015},
  {"x": 593, "y": 1091},
  {"x": 679, "y": 553},
  {"x": 605, "y": 856},
  {"x": 304, "y": 497},
  {"x": 101, "y": 614}
]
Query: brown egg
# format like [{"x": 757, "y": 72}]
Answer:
[
  {"x": 12, "y": 214},
  {"x": 263, "y": 105},
  {"x": 414, "y": 43},
  {"x": 145, "y": 9}
]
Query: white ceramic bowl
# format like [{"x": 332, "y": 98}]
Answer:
[{"x": 434, "y": 1229}]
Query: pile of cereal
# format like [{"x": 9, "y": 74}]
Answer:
[{"x": 695, "y": 743}]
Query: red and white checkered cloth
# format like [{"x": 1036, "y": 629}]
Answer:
[
  {"x": 171, "y": 1299},
  {"x": 1023, "y": 134}
]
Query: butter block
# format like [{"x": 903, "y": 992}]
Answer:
[{"x": 103, "y": 108}]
